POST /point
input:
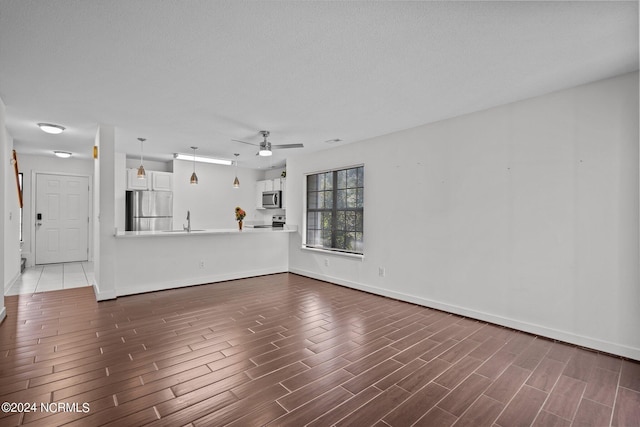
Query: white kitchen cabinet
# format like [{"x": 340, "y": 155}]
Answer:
[
  {"x": 260, "y": 187},
  {"x": 158, "y": 181},
  {"x": 161, "y": 181},
  {"x": 134, "y": 183},
  {"x": 283, "y": 188}
]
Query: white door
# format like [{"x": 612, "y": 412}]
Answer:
[{"x": 62, "y": 218}]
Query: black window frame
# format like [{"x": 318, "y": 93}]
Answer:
[{"x": 334, "y": 210}]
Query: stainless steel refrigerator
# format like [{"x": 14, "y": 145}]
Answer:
[{"x": 149, "y": 211}]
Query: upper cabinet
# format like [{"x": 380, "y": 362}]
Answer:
[
  {"x": 157, "y": 181},
  {"x": 162, "y": 181},
  {"x": 135, "y": 183},
  {"x": 261, "y": 186}
]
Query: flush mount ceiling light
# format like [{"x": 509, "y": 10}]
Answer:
[
  {"x": 51, "y": 128},
  {"x": 236, "y": 182},
  {"x": 141, "y": 172},
  {"x": 62, "y": 154},
  {"x": 180, "y": 156},
  {"x": 194, "y": 177}
]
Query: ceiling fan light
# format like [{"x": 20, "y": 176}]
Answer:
[
  {"x": 62, "y": 154},
  {"x": 264, "y": 152},
  {"x": 51, "y": 128}
]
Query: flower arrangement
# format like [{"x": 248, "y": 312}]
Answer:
[{"x": 240, "y": 214}]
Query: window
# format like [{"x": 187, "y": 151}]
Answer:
[{"x": 335, "y": 208}]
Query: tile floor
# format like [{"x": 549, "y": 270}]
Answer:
[
  {"x": 284, "y": 350},
  {"x": 53, "y": 277}
]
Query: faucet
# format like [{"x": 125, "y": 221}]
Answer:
[{"x": 187, "y": 228}]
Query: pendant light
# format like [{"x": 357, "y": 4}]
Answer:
[
  {"x": 141, "y": 172},
  {"x": 236, "y": 182},
  {"x": 194, "y": 177}
]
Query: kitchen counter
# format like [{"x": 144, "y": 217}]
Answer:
[
  {"x": 198, "y": 232},
  {"x": 147, "y": 261}
]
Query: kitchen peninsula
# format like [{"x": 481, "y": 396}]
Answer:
[
  {"x": 156, "y": 260},
  {"x": 168, "y": 233}
]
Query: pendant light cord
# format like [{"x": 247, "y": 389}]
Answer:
[{"x": 142, "y": 140}]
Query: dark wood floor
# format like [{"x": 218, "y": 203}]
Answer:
[{"x": 285, "y": 350}]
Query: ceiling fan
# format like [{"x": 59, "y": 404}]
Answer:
[{"x": 266, "y": 146}]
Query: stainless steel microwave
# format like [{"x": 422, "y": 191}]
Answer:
[{"x": 272, "y": 199}]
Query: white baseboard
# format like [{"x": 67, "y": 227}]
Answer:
[
  {"x": 11, "y": 282},
  {"x": 560, "y": 335},
  {"x": 3, "y": 314},
  {"x": 103, "y": 296},
  {"x": 29, "y": 257},
  {"x": 174, "y": 284}
]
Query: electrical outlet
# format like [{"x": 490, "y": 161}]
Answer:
[
  {"x": 201, "y": 264},
  {"x": 381, "y": 271},
  {"x": 326, "y": 262}
]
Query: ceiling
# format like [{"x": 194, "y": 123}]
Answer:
[{"x": 202, "y": 72}]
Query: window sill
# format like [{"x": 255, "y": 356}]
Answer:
[{"x": 336, "y": 253}]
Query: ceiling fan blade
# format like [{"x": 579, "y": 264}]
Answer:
[
  {"x": 244, "y": 142},
  {"x": 281, "y": 146}
]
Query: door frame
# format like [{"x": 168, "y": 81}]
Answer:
[{"x": 32, "y": 211}]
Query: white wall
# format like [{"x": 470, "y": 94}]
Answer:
[
  {"x": 273, "y": 173},
  {"x": 120, "y": 190},
  {"x": 213, "y": 200},
  {"x": 29, "y": 166},
  {"x": 11, "y": 237},
  {"x": 525, "y": 215},
  {"x": 9, "y": 209},
  {"x": 149, "y": 165},
  {"x": 11, "y": 221},
  {"x": 4, "y": 168},
  {"x": 105, "y": 265}
]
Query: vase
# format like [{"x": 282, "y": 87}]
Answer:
[{"x": 240, "y": 225}]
